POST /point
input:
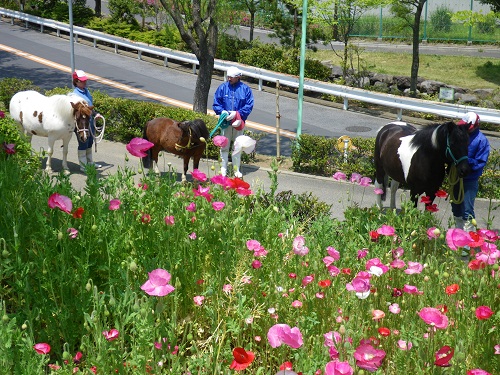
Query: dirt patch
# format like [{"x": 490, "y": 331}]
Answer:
[{"x": 265, "y": 161}]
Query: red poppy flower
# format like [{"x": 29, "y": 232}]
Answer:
[
  {"x": 78, "y": 213},
  {"x": 374, "y": 235},
  {"x": 346, "y": 271},
  {"x": 324, "y": 283},
  {"x": 444, "y": 356},
  {"x": 200, "y": 281},
  {"x": 286, "y": 366},
  {"x": 441, "y": 193},
  {"x": 384, "y": 331},
  {"x": 397, "y": 292},
  {"x": 476, "y": 264},
  {"x": 452, "y": 289},
  {"x": 425, "y": 199},
  {"x": 432, "y": 208},
  {"x": 237, "y": 183},
  {"x": 477, "y": 240},
  {"x": 442, "y": 308},
  {"x": 242, "y": 359}
]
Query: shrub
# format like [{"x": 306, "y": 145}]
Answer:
[
  {"x": 9, "y": 86},
  {"x": 229, "y": 47},
  {"x": 441, "y": 19}
]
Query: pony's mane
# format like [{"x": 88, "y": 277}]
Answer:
[
  {"x": 198, "y": 128},
  {"x": 423, "y": 138},
  {"x": 61, "y": 103}
]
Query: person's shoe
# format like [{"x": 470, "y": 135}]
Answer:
[
  {"x": 223, "y": 171},
  {"x": 238, "y": 174}
]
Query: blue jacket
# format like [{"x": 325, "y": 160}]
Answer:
[
  {"x": 236, "y": 97},
  {"x": 479, "y": 151}
]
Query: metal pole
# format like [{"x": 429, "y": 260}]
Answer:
[
  {"x": 424, "y": 39},
  {"x": 469, "y": 41},
  {"x": 278, "y": 117},
  {"x": 71, "y": 40},
  {"x": 302, "y": 65}
]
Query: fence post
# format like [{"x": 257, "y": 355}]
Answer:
[{"x": 278, "y": 117}]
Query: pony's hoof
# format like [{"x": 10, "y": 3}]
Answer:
[{"x": 66, "y": 172}]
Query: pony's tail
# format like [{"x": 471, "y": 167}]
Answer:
[{"x": 146, "y": 160}]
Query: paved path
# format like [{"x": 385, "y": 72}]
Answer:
[{"x": 338, "y": 194}]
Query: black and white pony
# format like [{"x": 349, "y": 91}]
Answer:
[
  {"x": 418, "y": 158},
  {"x": 55, "y": 117}
]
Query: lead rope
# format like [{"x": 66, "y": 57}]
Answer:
[
  {"x": 454, "y": 179},
  {"x": 98, "y": 138}
]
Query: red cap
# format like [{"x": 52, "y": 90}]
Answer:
[
  {"x": 80, "y": 75},
  {"x": 471, "y": 119}
]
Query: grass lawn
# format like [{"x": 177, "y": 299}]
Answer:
[{"x": 466, "y": 72}]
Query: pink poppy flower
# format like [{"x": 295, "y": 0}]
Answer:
[
  {"x": 497, "y": 349},
  {"x": 72, "y": 233},
  {"x": 378, "y": 314},
  {"x": 338, "y": 368},
  {"x": 138, "y": 147},
  {"x": 484, "y": 312},
  {"x": 203, "y": 192},
  {"x": 444, "y": 356},
  {"x": 433, "y": 232},
  {"x": 296, "y": 304},
  {"x": 355, "y": 177},
  {"x": 365, "y": 181},
  {"x": 158, "y": 283},
  {"x": 114, "y": 204},
  {"x": 299, "y": 247},
  {"x": 220, "y": 141},
  {"x": 42, "y": 348},
  {"x": 60, "y": 201},
  {"x": 227, "y": 288},
  {"x": 217, "y": 206},
  {"x": 403, "y": 345},
  {"x": 191, "y": 207},
  {"x": 397, "y": 253},
  {"x": 10, "y": 148},
  {"x": 339, "y": 176},
  {"x": 2, "y": 114},
  {"x": 386, "y": 230},
  {"x": 413, "y": 268},
  {"x": 488, "y": 235},
  {"x": 199, "y": 175},
  {"x": 169, "y": 220},
  {"x": 398, "y": 263},
  {"x": 256, "y": 264},
  {"x": 410, "y": 289},
  {"x": 333, "y": 271},
  {"x": 111, "y": 335},
  {"x": 394, "y": 308},
  {"x": 376, "y": 262},
  {"x": 198, "y": 300},
  {"x": 333, "y": 253},
  {"x": 368, "y": 358},
  {"x": 477, "y": 371},
  {"x": 282, "y": 334},
  {"x": 456, "y": 238},
  {"x": 253, "y": 245},
  {"x": 378, "y": 191},
  {"x": 359, "y": 284},
  {"x": 192, "y": 236},
  {"x": 362, "y": 253},
  {"x": 434, "y": 317}
]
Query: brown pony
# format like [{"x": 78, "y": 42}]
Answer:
[{"x": 186, "y": 139}]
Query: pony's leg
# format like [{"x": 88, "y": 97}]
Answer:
[
  {"x": 65, "y": 153},
  {"x": 383, "y": 187},
  {"x": 50, "y": 151},
  {"x": 185, "y": 168},
  {"x": 154, "y": 157},
  {"x": 394, "y": 189}
]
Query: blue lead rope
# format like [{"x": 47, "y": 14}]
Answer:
[{"x": 221, "y": 124}]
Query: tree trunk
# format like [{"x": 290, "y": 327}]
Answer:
[
  {"x": 252, "y": 25},
  {"x": 98, "y": 8},
  {"x": 416, "y": 44},
  {"x": 203, "y": 82}
]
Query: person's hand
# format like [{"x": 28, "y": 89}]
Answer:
[
  {"x": 236, "y": 123},
  {"x": 231, "y": 115},
  {"x": 98, "y": 115},
  {"x": 224, "y": 113}
]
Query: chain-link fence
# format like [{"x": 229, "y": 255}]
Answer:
[{"x": 439, "y": 23}]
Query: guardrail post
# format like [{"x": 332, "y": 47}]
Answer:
[
  {"x": 27, "y": 24},
  {"x": 41, "y": 29},
  {"x": 260, "y": 84},
  {"x": 116, "y": 48},
  {"x": 58, "y": 33},
  {"x": 76, "y": 38},
  {"x": 400, "y": 114},
  {"x": 139, "y": 55},
  {"x": 165, "y": 61},
  {"x": 11, "y": 20},
  {"x": 346, "y": 103},
  {"x": 95, "y": 43},
  {"x": 194, "y": 68}
]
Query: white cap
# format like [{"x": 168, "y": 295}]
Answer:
[
  {"x": 470, "y": 118},
  {"x": 233, "y": 71}
]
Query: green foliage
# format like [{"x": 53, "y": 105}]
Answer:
[
  {"x": 441, "y": 19},
  {"x": 284, "y": 60},
  {"x": 10, "y": 86},
  {"x": 59, "y": 10},
  {"x": 229, "y": 47},
  {"x": 322, "y": 156},
  {"x": 124, "y": 11}
]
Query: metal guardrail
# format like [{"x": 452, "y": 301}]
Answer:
[{"x": 448, "y": 110}]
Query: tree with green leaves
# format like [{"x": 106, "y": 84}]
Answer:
[
  {"x": 196, "y": 21},
  {"x": 495, "y": 4},
  {"x": 410, "y": 11},
  {"x": 339, "y": 17}
]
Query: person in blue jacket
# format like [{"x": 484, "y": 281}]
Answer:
[
  {"x": 479, "y": 151},
  {"x": 234, "y": 99},
  {"x": 85, "y": 148}
]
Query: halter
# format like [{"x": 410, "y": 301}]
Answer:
[
  {"x": 179, "y": 147},
  {"x": 450, "y": 153}
]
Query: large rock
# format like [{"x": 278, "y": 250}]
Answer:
[
  {"x": 430, "y": 86},
  {"x": 467, "y": 98},
  {"x": 483, "y": 93}
]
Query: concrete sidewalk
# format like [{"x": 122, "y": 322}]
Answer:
[{"x": 112, "y": 155}]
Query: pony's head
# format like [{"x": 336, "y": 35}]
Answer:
[
  {"x": 457, "y": 145},
  {"x": 82, "y": 113}
]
